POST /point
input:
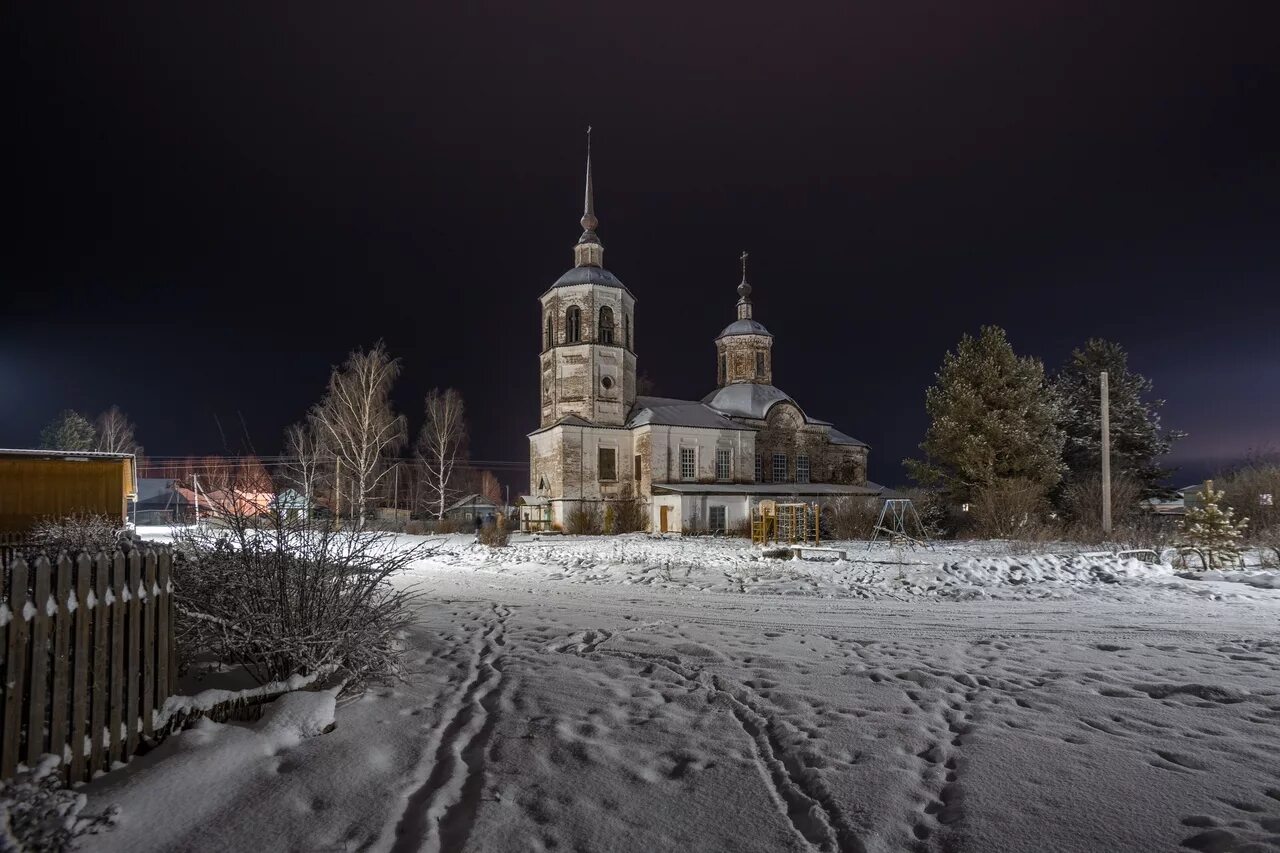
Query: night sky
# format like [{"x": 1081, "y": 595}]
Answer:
[{"x": 210, "y": 204}]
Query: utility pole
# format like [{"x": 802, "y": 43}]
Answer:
[
  {"x": 337, "y": 488},
  {"x": 395, "y": 501},
  {"x": 1106, "y": 454},
  {"x": 195, "y": 490}
]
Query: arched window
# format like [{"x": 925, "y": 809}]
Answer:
[
  {"x": 626, "y": 330},
  {"x": 606, "y": 325},
  {"x": 549, "y": 340},
  {"x": 724, "y": 369},
  {"x": 572, "y": 325}
]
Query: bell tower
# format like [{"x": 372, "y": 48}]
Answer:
[
  {"x": 588, "y": 362},
  {"x": 744, "y": 350}
]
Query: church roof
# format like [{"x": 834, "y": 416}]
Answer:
[
  {"x": 665, "y": 411},
  {"x": 835, "y": 436},
  {"x": 744, "y": 327},
  {"x": 589, "y": 275},
  {"x": 746, "y": 399}
]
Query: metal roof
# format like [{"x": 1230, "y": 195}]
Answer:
[
  {"x": 770, "y": 489},
  {"x": 589, "y": 275},
  {"x": 835, "y": 436},
  {"x": 664, "y": 411},
  {"x": 65, "y": 454},
  {"x": 746, "y": 399},
  {"x": 744, "y": 327}
]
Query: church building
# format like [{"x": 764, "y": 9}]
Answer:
[{"x": 691, "y": 464}]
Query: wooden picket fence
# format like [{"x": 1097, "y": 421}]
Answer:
[{"x": 87, "y": 655}]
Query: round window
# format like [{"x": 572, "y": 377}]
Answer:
[{"x": 607, "y": 382}]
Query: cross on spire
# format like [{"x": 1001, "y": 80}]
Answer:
[{"x": 744, "y": 289}]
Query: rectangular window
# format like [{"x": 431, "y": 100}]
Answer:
[
  {"x": 724, "y": 467},
  {"x": 759, "y": 469},
  {"x": 759, "y": 365},
  {"x": 688, "y": 463},
  {"x": 779, "y": 467},
  {"x": 637, "y": 472},
  {"x": 607, "y": 463},
  {"x": 802, "y": 468},
  {"x": 716, "y": 519}
]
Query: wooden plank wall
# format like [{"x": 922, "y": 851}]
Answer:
[
  {"x": 34, "y": 488},
  {"x": 86, "y": 657}
]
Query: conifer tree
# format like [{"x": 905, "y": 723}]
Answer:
[
  {"x": 1137, "y": 440},
  {"x": 993, "y": 417},
  {"x": 69, "y": 431},
  {"x": 1213, "y": 531}
]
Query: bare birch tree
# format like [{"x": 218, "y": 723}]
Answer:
[
  {"x": 442, "y": 444},
  {"x": 115, "y": 432},
  {"x": 356, "y": 423},
  {"x": 308, "y": 466}
]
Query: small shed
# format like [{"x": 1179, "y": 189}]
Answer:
[
  {"x": 292, "y": 505},
  {"x": 36, "y": 484},
  {"x": 160, "y": 502},
  {"x": 472, "y": 507}
]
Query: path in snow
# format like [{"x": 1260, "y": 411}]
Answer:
[{"x": 547, "y": 714}]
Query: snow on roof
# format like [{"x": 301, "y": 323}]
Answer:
[
  {"x": 835, "y": 436},
  {"x": 471, "y": 500},
  {"x": 869, "y": 489},
  {"x": 666, "y": 411},
  {"x": 747, "y": 399},
  {"x": 65, "y": 454},
  {"x": 744, "y": 327},
  {"x": 588, "y": 275}
]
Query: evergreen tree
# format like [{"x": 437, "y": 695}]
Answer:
[
  {"x": 1137, "y": 440},
  {"x": 69, "y": 431},
  {"x": 993, "y": 417},
  {"x": 1212, "y": 531}
]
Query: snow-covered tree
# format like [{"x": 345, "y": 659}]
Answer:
[
  {"x": 69, "y": 431},
  {"x": 310, "y": 464},
  {"x": 115, "y": 432},
  {"x": 442, "y": 445},
  {"x": 357, "y": 424},
  {"x": 1137, "y": 439},
  {"x": 1212, "y": 531},
  {"x": 993, "y": 417}
]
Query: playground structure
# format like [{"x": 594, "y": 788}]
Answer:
[
  {"x": 785, "y": 523},
  {"x": 899, "y": 523}
]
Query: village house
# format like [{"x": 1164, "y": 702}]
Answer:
[{"x": 700, "y": 464}]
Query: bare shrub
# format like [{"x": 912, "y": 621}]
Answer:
[
  {"x": 938, "y": 519},
  {"x": 584, "y": 520},
  {"x": 286, "y": 596},
  {"x": 38, "y": 814},
  {"x": 495, "y": 533},
  {"x": 1157, "y": 533},
  {"x": 415, "y": 527},
  {"x": 628, "y": 516},
  {"x": 1247, "y": 488},
  {"x": 1082, "y": 505},
  {"x": 851, "y": 517},
  {"x": 693, "y": 526},
  {"x": 740, "y": 529},
  {"x": 1012, "y": 508},
  {"x": 448, "y": 525},
  {"x": 75, "y": 533}
]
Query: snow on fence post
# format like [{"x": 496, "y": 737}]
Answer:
[
  {"x": 115, "y": 681},
  {"x": 80, "y": 680},
  {"x": 61, "y": 661},
  {"x": 149, "y": 597},
  {"x": 39, "y": 662},
  {"x": 15, "y": 675},
  {"x": 97, "y": 726},
  {"x": 133, "y": 645}
]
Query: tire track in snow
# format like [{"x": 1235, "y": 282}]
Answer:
[
  {"x": 440, "y": 814},
  {"x": 805, "y": 802}
]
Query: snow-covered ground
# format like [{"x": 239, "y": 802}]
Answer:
[{"x": 647, "y": 694}]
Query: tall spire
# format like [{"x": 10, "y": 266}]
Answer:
[
  {"x": 589, "y": 221},
  {"x": 590, "y": 251},
  {"x": 744, "y": 292}
]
